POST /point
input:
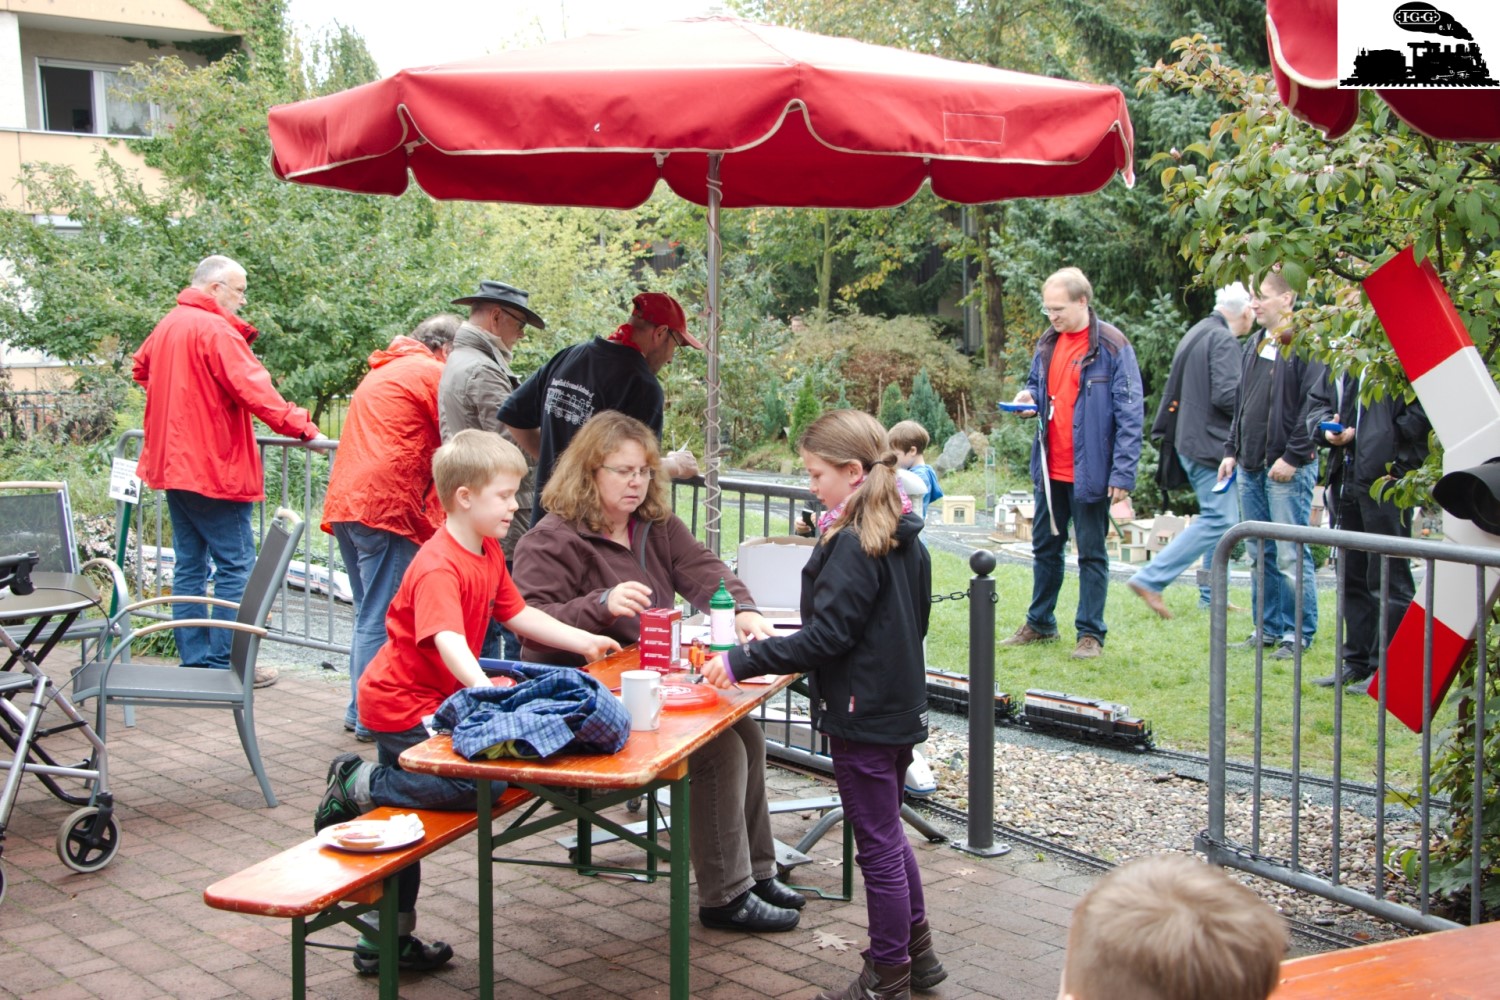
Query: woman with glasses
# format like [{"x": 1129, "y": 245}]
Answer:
[{"x": 610, "y": 547}]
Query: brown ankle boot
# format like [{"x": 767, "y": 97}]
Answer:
[
  {"x": 926, "y": 968},
  {"x": 876, "y": 982}
]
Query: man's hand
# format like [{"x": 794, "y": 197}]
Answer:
[
  {"x": 1282, "y": 471},
  {"x": 1343, "y": 437},
  {"x": 1118, "y": 493},
  {"x": 1025, "y": 397},
  {"x": 322, "y": 442},
  {"x": 628, "y": 599},
  {"x": 1226, "y": 468},
  {"x": 716, "y": 672},
  {"x": 751, "y": 625},
  {"x": 679, "y": 464}
]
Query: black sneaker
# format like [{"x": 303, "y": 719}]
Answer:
[
  {"x": 1352, "y": 677},
  {"x": 411, "y": 955},
  {"x": 748, "y": 913},
  {"x": 773, "y": 891},
  {"x": 338, "y": 805},
  {"x": 1255, "y": 639}
]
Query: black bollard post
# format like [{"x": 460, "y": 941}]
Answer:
[{"x": 981, "y": 836}]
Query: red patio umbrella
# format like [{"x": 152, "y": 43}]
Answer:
[
  {"x": 1302, "y": 36},
  {"x": 727, "y": 113}
]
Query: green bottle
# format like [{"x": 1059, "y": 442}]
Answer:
[{"x": 721, "y": 619}]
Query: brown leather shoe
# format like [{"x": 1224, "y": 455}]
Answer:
[
  {"x": 1088, "y": 648},
  {"x": 1026, "y": 635},
  {"x": 1151, "y": 597}
]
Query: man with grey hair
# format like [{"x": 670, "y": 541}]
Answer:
[
  {"x": 476, "y": 381},
  {"x": 1206, "y": 373},
  {"x": 1086, "y": 387},
  {"x": 202, "y": 386}
]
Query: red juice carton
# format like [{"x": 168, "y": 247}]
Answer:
[{"x": 661, "y": 639}]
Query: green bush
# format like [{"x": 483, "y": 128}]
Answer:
[
  {"x": 892, "y": 406},
  {"x": 772, "y": 419},
  {"x": 805, "y": 410},
  {"x": 928, "y": 410}
]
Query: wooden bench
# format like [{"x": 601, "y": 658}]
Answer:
[{"x": 332, "y": 886}]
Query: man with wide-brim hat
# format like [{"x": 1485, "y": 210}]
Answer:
[
  {"x": 618, "y": 372},
  {"x": 478, "y": 379}
]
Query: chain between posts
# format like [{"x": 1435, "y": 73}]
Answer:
[{"x": 959, "y": 595}]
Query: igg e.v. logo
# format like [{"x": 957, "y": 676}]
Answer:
[{"x": 1422, "y": 45}]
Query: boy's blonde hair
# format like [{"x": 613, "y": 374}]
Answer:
[
  {"x": 472, "y": 458},
  {"x": 909, "y": 434},
  {"x": 1169, "y": 927}
]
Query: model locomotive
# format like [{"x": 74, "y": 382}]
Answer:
[{"x": 1088, "y": 717}]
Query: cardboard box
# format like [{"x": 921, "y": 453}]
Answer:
[
  {"x": 772, "y": 569},
  {"x": 661, "y": 639}
]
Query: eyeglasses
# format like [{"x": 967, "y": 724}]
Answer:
[
  {"x": 520, "y": 320},
  {"x": 1055, "y": 310},
  {"x": 677, "y": 338},
  {"x": 644, "y": 472}
]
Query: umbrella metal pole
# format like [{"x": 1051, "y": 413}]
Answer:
[{"x": 711, "y": 410}]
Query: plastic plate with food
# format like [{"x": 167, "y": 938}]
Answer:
[{"x": 370, "y": 835}]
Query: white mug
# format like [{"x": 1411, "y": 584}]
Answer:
[{"x": 642, "y": 693}]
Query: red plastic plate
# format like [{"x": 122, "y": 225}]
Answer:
[{"x": 687, "y": 696}]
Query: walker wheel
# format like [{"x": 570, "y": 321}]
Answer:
[{"x": 88, "y": 839}]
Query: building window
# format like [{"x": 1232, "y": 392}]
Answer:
[{"x": 96, "y": 100}]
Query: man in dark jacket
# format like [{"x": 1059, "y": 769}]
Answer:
[
  {"x": 1085, "y": 374},
  {"x": 1207, "y": 369},
  {"x": 1270, "y": 443},
  {"x": 618, "y": 372},
  {"x": 1381, "y": 441}
]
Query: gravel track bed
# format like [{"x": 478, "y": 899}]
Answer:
[{"x": 1121, "y": 805}]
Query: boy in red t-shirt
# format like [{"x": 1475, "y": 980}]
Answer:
[{"x": 455, "y": 585}]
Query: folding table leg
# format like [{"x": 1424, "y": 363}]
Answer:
[
  {"x": 389, "y": 938},
  {"x": 681, "y": 964},
  {"x": 299, "y": 958},
  {"x": 486, "y": 851}
]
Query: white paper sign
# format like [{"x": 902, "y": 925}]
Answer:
[{"x": 123, "y": 484}]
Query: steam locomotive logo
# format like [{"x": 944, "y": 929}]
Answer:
[{"x": 1380, "y": 52}]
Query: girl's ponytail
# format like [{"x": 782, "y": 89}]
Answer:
[{"x": 873, "y": 510}]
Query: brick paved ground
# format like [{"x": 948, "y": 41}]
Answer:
[{"x": 190, "y": 812}]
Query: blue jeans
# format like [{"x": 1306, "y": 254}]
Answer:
[
  {"x": 500, "y": 643},
  {"x": 1217, "y": 513},
  {"x": 204, "y": 528},
  {"x": 871, "y": 779},
  {"x": 1263, "y": 499},
  {"x": 1091, "y": 522},
  {"x": 376, "y": 561},
  {"x": 391, "y": 786}
]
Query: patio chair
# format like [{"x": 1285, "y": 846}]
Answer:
[
  {"x": 114, "y": 682},
  {"x": 38, "y": 517}
]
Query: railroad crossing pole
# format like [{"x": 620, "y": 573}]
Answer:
[{"x": 981, "y": 839}]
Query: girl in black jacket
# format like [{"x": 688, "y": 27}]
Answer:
[{"x": 865, "y": 600}]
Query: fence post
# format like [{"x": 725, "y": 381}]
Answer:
[{"x": 981, "y": 834}]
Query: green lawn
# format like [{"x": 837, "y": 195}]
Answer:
[{"x": 1160, "y": 669}]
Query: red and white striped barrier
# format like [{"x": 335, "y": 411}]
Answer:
[{"x": 1463, "y": 404}]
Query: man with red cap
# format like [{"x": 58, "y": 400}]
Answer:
[{"x": 613, "y": 373}]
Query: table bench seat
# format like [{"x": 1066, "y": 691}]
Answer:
[{"x": 311, "y": 880}]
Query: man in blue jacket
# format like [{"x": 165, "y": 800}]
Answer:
[{"x": 1084, "y": 457}]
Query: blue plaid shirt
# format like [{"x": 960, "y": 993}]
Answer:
[{"x": 548, "y": 710}]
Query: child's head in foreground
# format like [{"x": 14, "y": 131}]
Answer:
[
  {"x": 909, "y": 439},
  {"x": 1169, "y": 927},
  {"x": 472, "y": 461}
]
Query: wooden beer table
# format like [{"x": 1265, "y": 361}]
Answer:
[
  {"x": 1453, "y": 965},
  {"x": 649, "y": 761}
]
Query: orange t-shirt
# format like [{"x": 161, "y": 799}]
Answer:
[
  {"x": 1062, "y": 387},
  {"x": 446, "y": 588}
]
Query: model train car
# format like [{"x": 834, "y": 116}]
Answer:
[
  {"x": 949, "y": 692},
  {"x": 1089, "y": 717}
]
